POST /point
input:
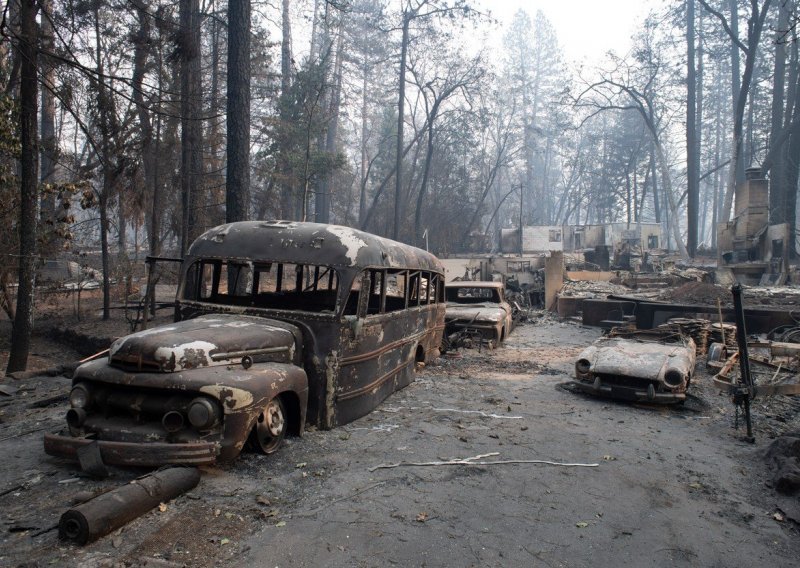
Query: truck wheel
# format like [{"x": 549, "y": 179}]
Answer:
[{"x": 270, "y": 428}]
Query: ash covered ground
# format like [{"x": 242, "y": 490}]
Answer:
[{"x": 672, "y": 486}]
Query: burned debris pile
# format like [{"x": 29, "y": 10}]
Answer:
[{"x": 783, "y": 455}]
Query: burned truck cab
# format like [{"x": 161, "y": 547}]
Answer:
[{"x": 277, "y": 324}]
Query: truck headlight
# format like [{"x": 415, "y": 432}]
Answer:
[
  {"x": 203, "y": 413},
  {"x": 582, "y": 366},
  {"x": 80, "y": 396}
]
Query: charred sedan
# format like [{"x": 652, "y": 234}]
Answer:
[
  {"x": 277, "y": 324},
  {"x": 479, "y": 307},
  {"x": 644, "y": 366}
]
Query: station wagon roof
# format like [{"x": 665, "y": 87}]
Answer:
[
  {"x": 475, "y": 284},
  {"x": 308, "y": 243}
]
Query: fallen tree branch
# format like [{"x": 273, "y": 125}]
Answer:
[
  {"x": 345, "y": 498},
  {"x": 65, "y": 369},
  {"x": 26, "y": 432},
  {"x": 473, "y": 461},
  {"x": 396, "y": 409}
]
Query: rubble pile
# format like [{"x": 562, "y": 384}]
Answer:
[
  {"x": 701, "y": 293},
  {"x": 723, "y": 333},
  {"x": 591, "y": 289},
  {"x": 784, "y": 455},
  {"x": 774, "y": 296}
]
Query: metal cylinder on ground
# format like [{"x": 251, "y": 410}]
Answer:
[{"x": 109, "y": 511}]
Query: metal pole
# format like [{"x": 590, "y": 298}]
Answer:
[
  {"x": 109, "y": 511},
  {"x": 744, "y": 393}
]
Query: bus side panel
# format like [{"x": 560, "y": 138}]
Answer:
[{"x": 381, "y": 359}]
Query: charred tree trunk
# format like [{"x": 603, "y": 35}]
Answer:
[
  {"x": 141, "y": 54},
  {"x": 736, "y": 78},
  {"x": 401, "y": 106},
  {"x": 191, "y": 130},
  {"x": 282, "y": 166},
  {"x": 792, "y": 156},
  {"x": 654, "y": 178},
  {"x": 362, "y": 194},
  {"x": 105, "y": 111},
  {"x": 692, "y": 142},
  {"x": 327, "y": 144},
  {"x": 755, "y": 27},
  {"x": 48, "y": 143},
  {"x": 778, "y": 190},
  {"x": 29, "y": 202},
  {"x": 13, "y": 25},
  {"x": 237, "y": 186},
  {"x": 425, "y": 174}
]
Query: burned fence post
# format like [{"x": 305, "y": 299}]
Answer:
[
  {"x": 744, "y": 392},
  {"x": 109, "y": 511}
]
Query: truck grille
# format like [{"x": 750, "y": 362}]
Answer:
[{"x": 134, "y": 363}]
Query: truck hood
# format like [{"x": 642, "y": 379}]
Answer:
[
  {"x": 205, "y": 341},
  {"x": 488, "y": 312}
]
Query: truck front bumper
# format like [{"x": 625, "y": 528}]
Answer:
[
  {"x": 145, "y": 454},
  {"x": 629, "y": 393}
]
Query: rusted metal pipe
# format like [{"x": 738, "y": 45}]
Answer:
[{"x": 109, "y": 511}]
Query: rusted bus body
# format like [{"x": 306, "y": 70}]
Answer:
[
  {"x": 327, "y": 320},
  {"x": 647, "y": 366},
  {"x": 478, "y": 305}
]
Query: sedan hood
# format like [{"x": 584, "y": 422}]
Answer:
[
  {"x": 642, "y": 359},
  {"x": 203, "y": 342}
]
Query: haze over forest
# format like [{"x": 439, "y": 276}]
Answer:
[{"x": 131, "y": 126}]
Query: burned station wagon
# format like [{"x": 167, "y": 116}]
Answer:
[
  {"x": 478, "y": 306},
  {"x": 648, "y": 366},
  {"x": 278, "y": 324}
]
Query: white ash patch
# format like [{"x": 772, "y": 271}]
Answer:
[{"x": 351, "y": 241}]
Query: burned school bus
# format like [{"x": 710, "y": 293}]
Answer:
[{"x": 277, "y": 324}]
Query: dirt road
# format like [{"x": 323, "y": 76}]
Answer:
[{"x": 672, "y": 487}]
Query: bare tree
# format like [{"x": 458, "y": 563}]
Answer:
[
  {"x": 412, "y": 10},
  {"x": 456, "y": 76},
  {"x": 692, "y": 141},
  {"x": 755, "y": 25},
  {"x": 617, "y": 90}
]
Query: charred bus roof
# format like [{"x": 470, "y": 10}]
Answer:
[{"x": 308, "y": 243}]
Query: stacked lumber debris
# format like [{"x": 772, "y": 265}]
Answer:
[
  {"x": 723, "y": 333},
  {"x": 698, "y": 329}
]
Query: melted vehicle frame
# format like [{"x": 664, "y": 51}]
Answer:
[
  {"x": 477, "y": 307},
  {"x": 277, "y": 324},
  {"x": 644, "y": 365}
]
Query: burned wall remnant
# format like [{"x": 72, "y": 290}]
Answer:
[{"x": 754, "y": 250}]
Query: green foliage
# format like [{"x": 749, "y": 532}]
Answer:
[
  {"x": 295, "y": 158},
  {"x": 10, "y": 148},
  {"x": 54, "y": 233}
]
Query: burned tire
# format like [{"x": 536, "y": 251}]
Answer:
[
  {"x": 716, "y": 356},
  {"x": 270, "y": 427}
]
